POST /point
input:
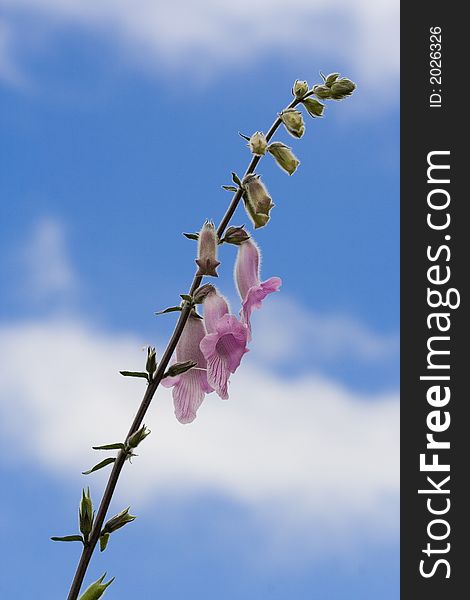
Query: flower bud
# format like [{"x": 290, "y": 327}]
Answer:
[
  {"x": 258, "y": 143},
  {"x": 314, "y": 108},
  {"x": 284, "y": 157},
  {"x": 118, "y": 521},
  {"x": 293, "y": 122},
  {"x": 330, "y": 79},
  {"x": 258, "y": 203},
  {"x": 207, "y": 251},
  {"x": 151, "y": 364},
  {"x": 322, "y": 91},
  {"x": 85, "y": 514},
  {"x": 138, "y": 436},
  {"x": 342, "y": 88},
  {"x": 236, "y": 235},
  {"x": 300, "y": 88},
  {"x": 96, "y": 590}
]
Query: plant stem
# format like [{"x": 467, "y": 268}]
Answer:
[{"x": 89, "y": 548}]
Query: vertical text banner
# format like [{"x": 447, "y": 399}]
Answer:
[{"x": 435, "y": 346}]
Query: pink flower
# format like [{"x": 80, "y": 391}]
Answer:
[
  {"x": 247, "y": 278},
  {"x": 225, "y": 343},
  {"x": 190, "y": 388}
]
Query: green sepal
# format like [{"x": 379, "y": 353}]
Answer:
[
  {"x": 104, "y": 538},
  {"x": 101, "y": 465},
  {"x": 313, "y": 107},
  {"x": 187, "y": 297},
  {"x": 96, "y": 589},
  {"x": 230, "y": 188},
  {"x": 179, "y": 368}
]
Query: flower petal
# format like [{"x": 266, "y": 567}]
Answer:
[
  {"x": 223, "y": 351},
  {"x": 255, "y": 297},
  {"x": 247, "y": 267},
  {"x": 189, "y": 393}
]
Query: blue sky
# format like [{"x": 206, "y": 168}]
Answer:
[{"x": 119, "y": 123}]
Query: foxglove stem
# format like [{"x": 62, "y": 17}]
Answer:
[{"x": 100, "y": 517}]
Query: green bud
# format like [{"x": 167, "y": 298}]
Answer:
[
  {"x": 293, "y": 122},
  {"x": 151, "y": 365},
  {"x": 179, "y": 368},
  {"x": 207, "y": 251},
  {"x": 322, "y": 91},
  {"x": 118, "y": 521},
  {"x": 202, "y": 292},
  {"x": 258, "y": 203},
  {"x": 258, "y": 143},
  {"x": 85, "y": 514},
  {"x": 236, "y": 235},
  {"x": 300, "y": 88},
  {"x": 330, "y": 79},
  {"x": 342, "y": 88},
  {"x": 139, "y": 436},
  {"x": 314, "y": 108},
  {"x": 96, "y": 590},
  {"x": 284, "y": 156}
]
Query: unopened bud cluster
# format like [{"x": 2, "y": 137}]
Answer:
[{"x": 334, "y": 87}]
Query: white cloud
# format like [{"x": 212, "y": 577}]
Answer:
[
  {"x": 200, "y": 37},
  {"x": 44, "y": 258},
  {"x": 306, "y": 454},
  {"x": 287, "y": 331}
]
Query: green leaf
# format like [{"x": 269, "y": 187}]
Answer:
[
  {"x": 186, "y": 297},
  {"x": 169, "y": 310},
  {"x": 104, "y": 538},
  {"x": 236, "y": 179},
  {"x": 118, "y": 446},
  {"x": 101, "y": 465},
  {"x": 68, "y": 538},
  {"x": 230, "y": 188},
  {"x": 135, "y": 374},
  {"x": 191, "y": 236}
]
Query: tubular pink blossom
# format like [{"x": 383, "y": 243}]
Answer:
[
  {"x": 247, "y": 278},
  {"x": 225, "y": 343},
  {"x": 190, "y": 388}
]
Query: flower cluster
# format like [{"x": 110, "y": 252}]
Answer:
[{"x": 216, "y": 344}]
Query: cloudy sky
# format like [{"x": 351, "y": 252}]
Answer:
[{"x": 119, "y": 122}]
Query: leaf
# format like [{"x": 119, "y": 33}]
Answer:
[
  {"x": 245, "y": 137},
  {"x": 236, "y": 179},
  {"x": 135, "y": 374},
  {"x": 68, "y": 538},
  {"x": 101, "y": 465},
  {"x": 118, "y": 446},
  {"x": 186, "y": 297},
  {"x": 104, "y": 538},
  {"x": 191, "y": 236},
  {"x": 230, "y": 188},
  {"x": 169, "y": 310}
]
